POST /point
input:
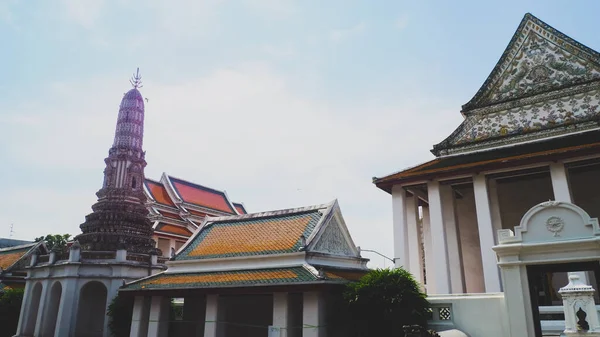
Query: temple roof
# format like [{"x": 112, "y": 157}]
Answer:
[
  {"x": 202, "y": 196},
  {"x": 11, "y": 256},
  {"x": 158, "y": 192},
  {"x": 253, "y": 234},
  {"x": 553, "y": 149},
  {"x": 239, "y": 207},
  {"x": 243, "y": 278},
  {"x": 173, "y": 229},
  {"x": 544, "y": 84}
]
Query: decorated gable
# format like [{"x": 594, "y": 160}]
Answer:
[
  {"x": 333, "y": 237},
  {"x": 543, "y": 83}
]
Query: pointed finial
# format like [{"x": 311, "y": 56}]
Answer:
[{"x": 136, "y": 80}]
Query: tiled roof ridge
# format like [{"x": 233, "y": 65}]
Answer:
[
  {"x": 268, "y": 214},
  {"x": 19, "y": 247}
]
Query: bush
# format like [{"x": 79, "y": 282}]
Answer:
[
  {"x": 120, "y": 312},
  {"x": 381, "y": 303},
  {"x": 10, "y": 309}
]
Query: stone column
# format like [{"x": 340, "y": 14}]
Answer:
[
  {"x": 313, "y": 313},
  {"x": 452, "y": 240},
  {"x": 25, "y": 308},
  {"x": 211, "y": 325},
  {"x": 414, "y": 238},
  {"x": 42, "y": 308},
  {"x": 66, "y": 310},
  {"x": 158, "y": 325},
  {"x": 562, "y": 192},
  {"x": 486, "y": 235},
  {"x": 281, "y": 313},
  {"x": 429, "y": 267},
  {"x": 400, "y": 227},
  {"x": 139, "y": 319},
  {"x": 438, "y": 240}
]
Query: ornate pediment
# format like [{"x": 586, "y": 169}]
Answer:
[
  {"x": 333, "y": 237},
  {"x": 538, "y": 59}
]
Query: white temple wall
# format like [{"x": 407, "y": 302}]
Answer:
[{"x": 469, "y": 239}]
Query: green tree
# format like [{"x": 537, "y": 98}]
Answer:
[
  {"x": 10, "y": 308},
  {"x": 381, "y": 303},
  {"x": 55, "y": 242}
]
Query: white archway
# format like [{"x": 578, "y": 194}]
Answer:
[
  {"x": 51, "y": 310},
  {"x": 91, "y": 312},
  {"x": 32, "y": 312}
]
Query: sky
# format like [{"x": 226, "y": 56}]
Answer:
[{"x": 281, "y": 103}]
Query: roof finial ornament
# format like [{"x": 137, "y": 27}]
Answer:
[{"x": 136, "y": 80}]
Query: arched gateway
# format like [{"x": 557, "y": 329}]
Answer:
[{"x": 552, "y": 237}]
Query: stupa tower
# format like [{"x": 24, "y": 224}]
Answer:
[{"x": 119, "y": 218}]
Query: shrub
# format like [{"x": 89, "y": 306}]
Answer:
[
  {"x": 10, "y": 309},
  {"x": 381, "y": 303},
  {"x": 120, "y": 312}
]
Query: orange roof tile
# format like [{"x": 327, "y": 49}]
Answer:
[
  {"x": 170, "y": 215},
  {"x": 196, "y": 212},
  {"x": 9, "y": 257},
  {"x": 202, "y": 196},
  {"x": 159, "y": 193},
  {"x": 254, "y": 236}
]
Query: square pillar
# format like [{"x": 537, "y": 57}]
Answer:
[
  {"x": 313, "y": 315},
  {"x": 486, "y": 235},
  {"x": 139, "y": 319},
  {"x": 560, "y": 182},
  {"x": 25, "y": 308},
  {"x": 66, "y": 313},
  {"x": 41, "y": 308},
  {"x": 438, "y": 240},
  {"x": 415, "y": 257},
  {"x": 158, "y": 325},
  {"x": 281, "y": 313},
  {"x": 401, "y": 251},
  {"x": 562, "y": 192},
  {"x": 211, "y": 325},
  {"x": 429, "y": 268},
  {"x": 452, "y": 240}
]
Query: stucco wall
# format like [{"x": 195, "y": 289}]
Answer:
[{"x": 477, "y": 315}]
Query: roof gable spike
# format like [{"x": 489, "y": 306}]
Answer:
[
  {"x": 332, "y": 235},
  {"x": 171, "y": 191},
  {"x": 535, "y": 53}
]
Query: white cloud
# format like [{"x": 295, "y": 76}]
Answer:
[
  {"x": 241, "y": 129},
  {"x": 338, "y": 35}
]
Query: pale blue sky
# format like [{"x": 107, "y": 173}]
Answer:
[{"x": 281, "y": 103}]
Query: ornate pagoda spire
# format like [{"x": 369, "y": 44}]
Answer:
[{"x": 119, "y": 218}]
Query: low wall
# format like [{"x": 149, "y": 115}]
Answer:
[{"x": 478, "y": 315}]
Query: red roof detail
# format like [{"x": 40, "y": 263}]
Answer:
[
  {"x": 196, "y": 212},
  {"x": 174, "y": 230},
  {"x": 170, "y": 215},
  {"x": 240, "y": 208},
  {"x": 202, "y": 196},
  {"x": 159, "y": 193}
]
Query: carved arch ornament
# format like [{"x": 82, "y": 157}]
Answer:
[{"x": 554, "y": 223}]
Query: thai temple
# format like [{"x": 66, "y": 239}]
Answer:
[
  {"x": 233, "y": 273},
  {"x": 510, "y": 202}
]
